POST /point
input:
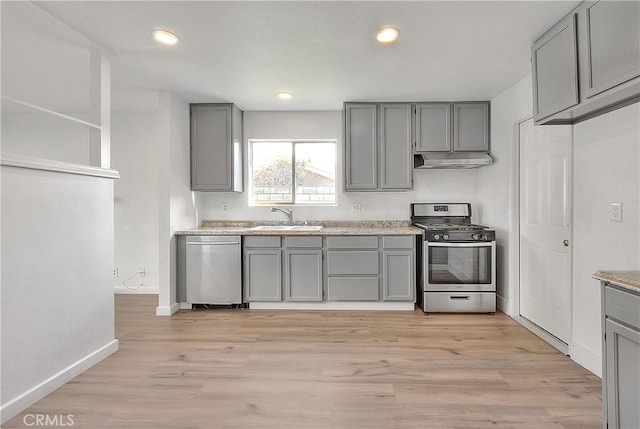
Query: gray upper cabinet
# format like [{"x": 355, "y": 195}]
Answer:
[
  {"x": 395, "y": 146},
  {"x": 452, "y": 127},
  {"x": 471, "y": 127},
  {"x": 433, "y": 127},
  {"x": 361, "y": 146},
  {"x": 609, "y": 42},
  {"x": 378, "y": 146},
  {"x": 554, "y": 59},
  {"x": 587, "y": 64},
  {"x": 216, "y": 147}
]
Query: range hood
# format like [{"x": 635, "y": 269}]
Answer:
[{"x": 451, "y": 160}]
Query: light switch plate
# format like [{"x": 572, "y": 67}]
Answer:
[{"x": 616, "y": 212}]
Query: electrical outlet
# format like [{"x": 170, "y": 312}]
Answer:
[
  {"x": 116, "y": 272},
  {"x": 356, "y": 207},
  {"x": 225, "y": 207},
  {"x": 615, "y": 215}
]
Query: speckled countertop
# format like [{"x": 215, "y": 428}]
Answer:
[
  {"x": 626, "y": 279},
  {"x": 329, "y": 228}
]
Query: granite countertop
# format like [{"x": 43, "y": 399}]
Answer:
[
  {"x": 329, "y": 228},
  {"x": 626, "y": 279}
]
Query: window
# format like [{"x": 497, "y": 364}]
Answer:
[{"x": 292, "y": 172}]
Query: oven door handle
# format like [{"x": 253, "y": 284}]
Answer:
[{"x": 482, "y": 244}]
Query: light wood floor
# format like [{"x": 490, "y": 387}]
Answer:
[{"x": 299, "y": 370}]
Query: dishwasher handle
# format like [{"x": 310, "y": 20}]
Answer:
[{"x": 212, "y": 243}]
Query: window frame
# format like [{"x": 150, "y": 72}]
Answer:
[{"x": 294, "y": 142}]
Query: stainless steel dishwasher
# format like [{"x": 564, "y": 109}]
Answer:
[{"x": 213, "y": 269}]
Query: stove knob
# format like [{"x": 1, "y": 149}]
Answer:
[
  {"x": 445, "y": 236},
  {"x": 476, "y": 237},
  {"x": 436, "y": 237}
]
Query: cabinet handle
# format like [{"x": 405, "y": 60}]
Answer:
[
  {"x": 213, "y": 243},
  {"x": 566, "y": 243},
  {"x": 467, "y": 297}
]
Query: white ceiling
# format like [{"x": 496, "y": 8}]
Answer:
[{"x": 324, "y": 52}]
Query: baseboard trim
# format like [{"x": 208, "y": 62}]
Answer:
[
  {"x": 502, "y": 304},
  {"x": 587, "y": 359},
  {"x": 167, "y": 311},
  {"x": 554, "y": 342},
  {"x": 36, "y": 393},
  {"x": 122, "y": 290},
  {"x": 392, "y": 306}
]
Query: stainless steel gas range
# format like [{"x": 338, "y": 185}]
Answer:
[{"x": 458, "y": 262}]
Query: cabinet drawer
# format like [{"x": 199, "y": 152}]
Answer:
[
  {"x": 353, "y": 289},
  {"x": 398, "y": 241},
  {"x": 352, "y": 262},
  {"x": 353, "y": 242},
  {"x": 253, "y": 241},
  {"x": 622, "y": 306},
  {"x": 315, "y": 242}
]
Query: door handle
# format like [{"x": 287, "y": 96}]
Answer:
[{"x": 566, "y": 243}]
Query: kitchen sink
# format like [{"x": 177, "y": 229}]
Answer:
[{"x": 287, "y": 228}]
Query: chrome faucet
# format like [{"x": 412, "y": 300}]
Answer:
[{"x": 288, "y": 213}]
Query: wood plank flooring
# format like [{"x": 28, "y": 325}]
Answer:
[{"x": 325, "y": 369}]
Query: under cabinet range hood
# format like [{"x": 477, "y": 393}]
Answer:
[{"x": 451, "y": 160}]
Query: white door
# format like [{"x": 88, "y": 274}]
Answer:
[{"x": 545, "y": 227}]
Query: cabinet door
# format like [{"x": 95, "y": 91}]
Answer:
[
  {"x": 398, "y": 273},
  {"x": 396, "y": 157},
  {"x": 303, "y": 274},
  {"x": 622, "y": 375},
  {"x": 471, "y": 127},
  {"x": 211, "y": 148},
  {"x": 361, "y": 146},
  {"x": 433, "y": 127},
  {"x": 263, "y": 275},
  {"x": 609, "y": 44},
  {"x": 554, "y": 61}
]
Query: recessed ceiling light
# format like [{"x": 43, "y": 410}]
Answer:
[
  {"x": 285, "y": 95},
  {"x": 165, "y": 36},
  {"x": 387, "y": 35}
]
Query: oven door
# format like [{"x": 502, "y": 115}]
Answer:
[{"x": 469, "y": 267}]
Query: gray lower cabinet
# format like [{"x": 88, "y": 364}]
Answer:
[
  {"x": 303, "y": 274},
  {"x": 587, "y": 64},
  {"x": 216, "y": 147},
  {"x": 621, "y": 358},
  {"x": 398, "y": 281},
  {"x": 331, "y": 268},
  {"x": 378, "y": 146},
  {"x": 263, "y": 275}
]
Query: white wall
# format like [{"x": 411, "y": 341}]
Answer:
[
  {"x": 135, "y": 154},
  {"x": 57, "y": 292},
  {"x": 497, "y": 183},
  {"x": 429, "y": 185},
  {"x": 176, "y": 203},
  {"x": 44, "y": 136},
  {"x": 606, "y": 155}
]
